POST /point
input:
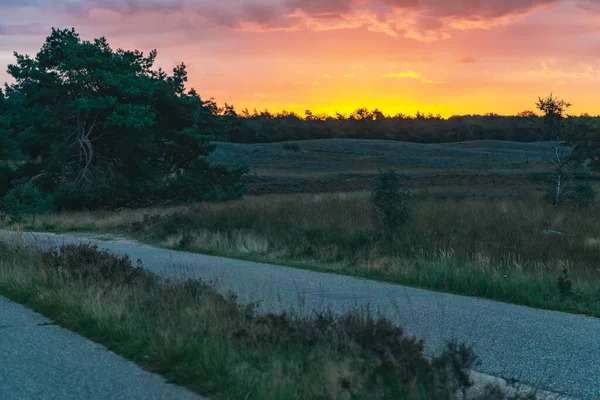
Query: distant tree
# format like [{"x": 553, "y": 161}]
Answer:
[
  {"x": 101, "y": 127},
  {"x": 527, "y": 114},
  {"x": 564, "y": 161},
  {"x": 554, "y": 110}
]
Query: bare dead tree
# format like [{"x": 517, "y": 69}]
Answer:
[{"x": 562, "y": 165}]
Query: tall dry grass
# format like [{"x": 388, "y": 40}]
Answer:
[{"x": 507, "y": 250}]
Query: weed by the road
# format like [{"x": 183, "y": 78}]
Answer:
[{"x": 564, "y": 284}]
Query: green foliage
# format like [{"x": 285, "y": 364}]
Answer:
[
  {"x": 390, "y": 203},
  {"x": 105, "y": 193},
  {"x": 26, "y": 199},
  {"x": 101, "y": 127}
]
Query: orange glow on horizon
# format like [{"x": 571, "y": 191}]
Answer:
[{"x": 447, "y": 58}]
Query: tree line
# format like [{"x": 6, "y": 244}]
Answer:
[{"x": 264, "y": 126}]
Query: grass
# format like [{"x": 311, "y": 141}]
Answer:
[
  {"x": 198, "y": 338},
  {"x": 512, "y": 251}
]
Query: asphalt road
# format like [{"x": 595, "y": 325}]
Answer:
[
  {"x": 39, "y": 360},
  {"x": 554, "y": 351}
]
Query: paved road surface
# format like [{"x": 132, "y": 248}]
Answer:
[
  {"x": 42, "y": 361},
  {"x": 557, "y": 351}
]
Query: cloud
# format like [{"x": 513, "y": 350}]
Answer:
[
  {"x": 590, "y": 6},
  {"x": 83, "y": 7},
  {"x": 471, "y": 8},
  {"x": 588, "y": 72},
  {"x": 320, "y": 8},
  {"x": 424, "y": 20},
  {"x": 22, "y": 30},
  {"x": 466, "y": 60},
  {"x": 408, "y": 74},
  {"x": 327, "y": 76},
  {"x": 429, "y": 81}
]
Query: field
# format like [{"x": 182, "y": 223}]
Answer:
[{"x": 466, "y": 169}]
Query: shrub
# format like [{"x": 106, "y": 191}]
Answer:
[
  {"x": 86, "y": 262},
  {"x": 390, "y": 203},
  {"x": 392, "y": 361},
  {"x": 26, "y": 199}
]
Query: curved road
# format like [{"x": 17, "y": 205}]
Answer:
[{"x": 555, "y": 351}]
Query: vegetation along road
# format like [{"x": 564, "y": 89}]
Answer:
[{"x": 555, "y": 351}]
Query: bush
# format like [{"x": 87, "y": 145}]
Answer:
[
  {"x": 220, "y": 183},
  {"x": 392, "y": 362},
  {"x": 390, "y": 203},
  {"x": 26, "y": 199},
  {"x": 86, "y": 262}
]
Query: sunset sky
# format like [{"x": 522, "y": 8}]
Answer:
[{"x": 439, "y": 56}]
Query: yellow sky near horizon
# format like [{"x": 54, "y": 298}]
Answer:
[{"x": 442, "y": 57}]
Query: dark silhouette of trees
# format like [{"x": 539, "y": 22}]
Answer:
[{"x": 363, "y": 123}]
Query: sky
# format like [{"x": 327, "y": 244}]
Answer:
[{"x": 448, "y": 57}]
